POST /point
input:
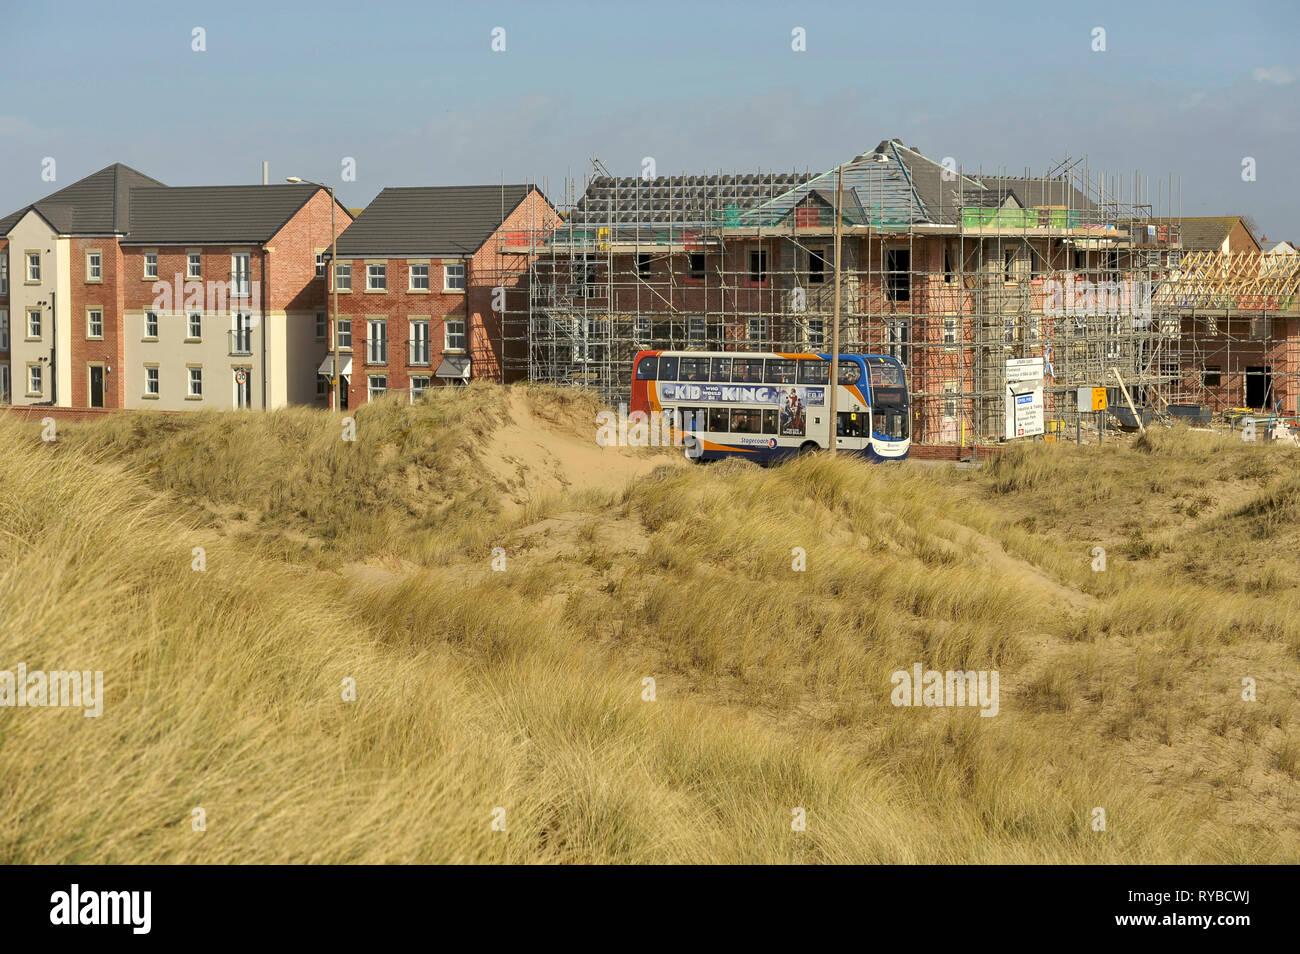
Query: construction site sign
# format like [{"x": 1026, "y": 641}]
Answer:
[
  {"x": 1024, "y": 410},
  {"x": 1024, "y": 369},
  {"x": 1092, "y": 399}
]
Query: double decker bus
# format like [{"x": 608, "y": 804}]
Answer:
[{"x": 764, "y": 406}]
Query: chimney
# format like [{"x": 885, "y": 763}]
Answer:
[{"x": 266, "y": 172}]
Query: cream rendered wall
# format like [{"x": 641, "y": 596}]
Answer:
[
  {"x": 303, "y": 357},
  {"x": 174, "y": 354},
  {"x": 33, "y": 232}
]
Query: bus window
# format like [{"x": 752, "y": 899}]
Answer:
[
  {"x": 691, "y": 418},
  {"x": 693, "y": 369},
  {"x": 769, "y": 420},
  {"x": 779, "y": 371},
  {"x": 718, "y": 420},
  {"x": 814, "y": 371},
  {"x": 745, "y": 421},
  {"x": 850, "y": 372},
  {"x": 852, "y": 424},
  {"x": 667, "y": 368},
  {"x": 646, "y": 367},
  {"x": 721, "y": 372},
  {"x": 747, "y": 370}
]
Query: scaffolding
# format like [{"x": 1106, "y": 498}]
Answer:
[{"x": 952, "y": 272}]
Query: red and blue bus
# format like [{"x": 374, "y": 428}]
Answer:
[{"x": 764, "y": 406}]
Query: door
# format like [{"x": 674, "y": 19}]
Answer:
[
  {"x": 243, "y": 388},
  {"x": 853, "y": 431},
  {"x": 1258, "y": 381},
  {"x": 96, "y": 385}
]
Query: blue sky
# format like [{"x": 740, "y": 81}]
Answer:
[{"x": 415, "y": 94}]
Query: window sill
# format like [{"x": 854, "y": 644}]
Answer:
[
  {"x": 341, "y": 291},
  {"x": 149, "y": 397},
  {"x": 94, "y": 281},
  {"x": 376, "y": 291},
  {"x": 453, "y": 291},
  {"x": 417, "y": 291},
  {"x": 454, "y": 350},
  {"x": 148, "y": 278},
  {"x": 193, "y": 341},
  {"x": 94, "y": 337},
  {"x": 418, "y": 364},
  {"x": 33, "y": 340},
  {"x": 147, "y": 339},
  {"x": 194, "y": 397}
]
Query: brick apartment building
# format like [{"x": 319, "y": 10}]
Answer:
[
  {"x": 425, "y": 276},
  {"x": 121, "y": 292}
]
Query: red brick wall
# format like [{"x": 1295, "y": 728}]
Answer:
[
  {"x": 497, "y": 262},
  {"x": 292, "y": 269},
  {"x": 107, "y": 295}
]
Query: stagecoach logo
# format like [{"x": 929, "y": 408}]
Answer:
[{"x": 709, "y": 393}]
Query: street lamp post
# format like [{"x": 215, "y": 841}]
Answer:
[{"x": 334, "y": 284}]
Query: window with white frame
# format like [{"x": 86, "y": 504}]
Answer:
[
  {"x": 193, "y": 264},
  {"x": 419, "y": 278},
  {"x": 949, "y": 329},
  {"x": 815, "y": 331},
  {"x": 94, "y": 267},
  {"x": 33, "y": 322},
  {"x": 756, "y": 329},
  {"x": 241, "y": 274},
  {"x": 419, "y": 385},
  {"x": 35, "y": 387},
  {"x": 642, "y": 327},
  {"x": 151, "y": 324},
  {"x": 151, "y": 381},
  {"x": 4, "y": 273},
  {"x": 4, "y": 329},
  {"x": 322, "y": 325},
  {"x": 194, "y": 326},
  {"x": 950, "y": 401},
  {"x": 344, "y": 331},
  {"x": 453, "y": 334},
  {"x": 33, "y": 266},
  {"x": 322, "y": 386},
  {"x": 419, "y": 342},
  {"x": 320, "y": 265},
  {"x": 150, "y": 264},
  {"x": 343, "y": 276},
  {"x": 5, "y": 397},
  {"x": 377, "y": 341},
  {"x": 695, "y": 332},
  {"x": 196, "y": 382},
  {"x": 94, "y": 323},
  {"x": 376, "y": 277},
  {"x": 376, "y": 385},
  {"x": 453, "y": 277}
]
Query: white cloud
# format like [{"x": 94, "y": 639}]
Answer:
[{"x": 1277, "y": 75}]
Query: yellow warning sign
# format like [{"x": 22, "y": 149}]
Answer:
[{"x": 1092, "y": 399}]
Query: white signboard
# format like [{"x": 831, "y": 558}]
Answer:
[
  {"x": 1024, "y": 410},
  {"x": 1024, "y": 369}
]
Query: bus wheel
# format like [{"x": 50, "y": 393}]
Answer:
[{"x": 807, "y": 447}]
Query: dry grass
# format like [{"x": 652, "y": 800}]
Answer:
[{"x": 523, "y": 689}]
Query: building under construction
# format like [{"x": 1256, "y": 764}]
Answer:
[{"x": 952, "y": 272}]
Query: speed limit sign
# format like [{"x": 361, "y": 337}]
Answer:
[{"x": 241, "y": 375}]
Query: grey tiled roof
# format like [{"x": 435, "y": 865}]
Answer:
[
  {"x": 118, "y": 199},
  {"x": 430, "y": 220},
  {"x": 96, "y": 204},
  {"x": 213, "y": 214}
]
